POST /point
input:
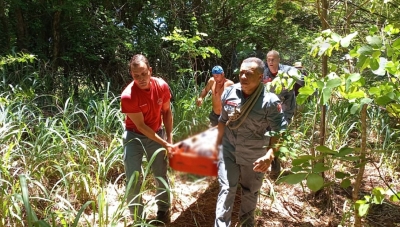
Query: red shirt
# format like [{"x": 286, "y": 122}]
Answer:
[{"x": 149, "y": 103}]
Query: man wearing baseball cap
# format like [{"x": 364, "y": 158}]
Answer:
[{"x": 217, "y": 83}]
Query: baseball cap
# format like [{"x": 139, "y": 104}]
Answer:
[
  {"x": 217, "y": 70},
  {"x": 298, "y": 64}
]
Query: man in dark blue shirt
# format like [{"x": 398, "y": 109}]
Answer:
[{"x": 287, "y": 97}]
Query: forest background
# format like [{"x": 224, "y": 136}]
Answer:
[{"x": 63, "y": 65}]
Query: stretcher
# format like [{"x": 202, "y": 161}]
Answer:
[{"x": 196, "y": 154}]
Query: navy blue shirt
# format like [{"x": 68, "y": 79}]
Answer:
[{"x": 287, "y": 97}]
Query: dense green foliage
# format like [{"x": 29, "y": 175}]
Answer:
[{"x": 88, "y": 43}]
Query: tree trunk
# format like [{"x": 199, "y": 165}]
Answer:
[
  {"x": 324, "y": 14},
  {"x": 56, "y": 39},
  {"x": 21, "y": 29},
  {"x": 360, "y": 175},
  {"x": 5, "y": 39},
  {"x": 324, "y": 19}
]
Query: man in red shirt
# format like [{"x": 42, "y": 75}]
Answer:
[{"x": 146, "y": 104}]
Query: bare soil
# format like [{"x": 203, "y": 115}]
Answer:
[
  {"x": 283, "y": 205},
  {"x": 280, "y": 205}
]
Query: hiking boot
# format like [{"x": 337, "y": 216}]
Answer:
[{"x": 163, "y": 216}]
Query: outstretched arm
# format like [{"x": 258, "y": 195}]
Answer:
[
  {"x": 204, "y": 92},
  {"x": 167, "y": 120}
]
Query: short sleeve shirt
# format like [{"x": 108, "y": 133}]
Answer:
[{"x": 149, "y": 103}]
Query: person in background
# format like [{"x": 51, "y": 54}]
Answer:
[
  {"x": 288, "y": 97},
  {"x": 244, "y": 153},
  {"x": 217, "y": 83},
  {"x": 298, "y": 65},
  {"x": 297, "y": 86},
  {"x": 146, "y": 104}
]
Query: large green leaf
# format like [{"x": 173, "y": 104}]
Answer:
[
  {"x": 366, "y": 63},
  {"x": 297, "y": 162},
  {"x": 302, "y": 159},
  {"x": 323, "y": 48},
  {"x": 366, "y": 101},
  {"x": 336, "y": 37},
  {"x": 345, "y": 42},
  {"x": 374, "y": 90},
  {"x": 355, "y": 95},
  {"x": 391, "y": 95},
  {"x": 301, "y": 98},
  {"x": 376, "y": 54},
  {"x": 319, "y": 168},
  {"x": 293, "y": 178},
  {"x": 396, "y": 44},
  {"x": 395, "y": 198},
  {"x": 361, "y": 61},
  {"x": 306, "y": 157},
  {"x": 344, "y": 151},
  {"x": 365, "y": 50},
  {"x": 373, "y": 29},
  {"x": 332, "y": 83},
  {"x": 354, "y": 77},
  {"x": 314, "y": 181},
  {"x": 320, "y": 84},
  {"x": 326, "y": 95},
  {"x": 390, "y": 51},
  {"x": 350, "y": 158},
  {"x": 355, "y": 108},
  {"x": 296, "y": 169},
  {"x": 345, "y": 183},
  {"x": 284, "y": 150},
  {"x": 379, "y": 195},
  {"x": 362, "y": 208},
  {"x": 307, "y": 90},
  {"x": 383, "y": 100},
  {"x": 341, "y": 175},
  {"x": 325, "y": 150},
  {"x": 391, "y": 29},
  {"x": 374, "y": 41},
  {"x": 351, "y": 79},
  {"x": 374, "y": 64}
]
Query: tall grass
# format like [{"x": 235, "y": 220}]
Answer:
[
  {"x": 61, "y": 159},
  {"x": 62, "y": 156},
  {"x": 188, "y": 118}
]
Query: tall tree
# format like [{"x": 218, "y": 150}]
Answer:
[
  {"x": 5, "y": 38},
  {"x": 21, "y": 27}
]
